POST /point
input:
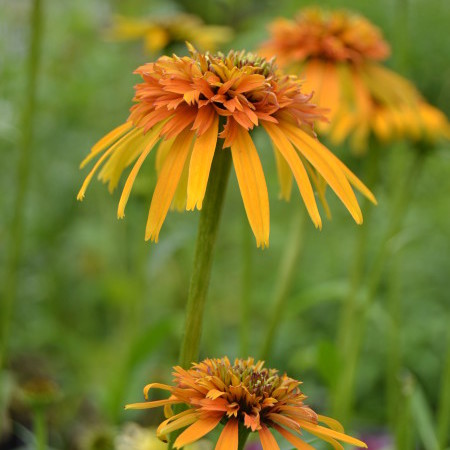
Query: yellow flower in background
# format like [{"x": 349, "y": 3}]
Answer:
[
  {"x": 243, "y": 395},
  {"x": 159, "y": 32},
  {"x": 135, "y": 437},
  {"x": 338, "y": 52},
  {"x": 186, "y": 104}
]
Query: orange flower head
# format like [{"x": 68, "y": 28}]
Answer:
[
  {"x": 327, "y": 35},
  {"x": 243, "y": 395},
  {"x": 339, "y": 54},
  {"x": 184, "y": 101}
]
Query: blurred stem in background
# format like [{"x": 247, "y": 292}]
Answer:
[
  {"x": 206, "y": 237},
  {"x": 443, "y": 417},
  {"x": 40, "y": 428},
  {"x": 16, "y": 237},
  {"x": 246, "y": 289},
  {"x": 287, "y": 270},
  {"x": 345, "y": 387}
]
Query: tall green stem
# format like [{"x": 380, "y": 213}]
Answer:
[
  {"x": 443, "y": 416},
  {"x": 346, "y": 382},
  {"x": 22, "y": 176},
  {"x": 244, "y": 433},
  {"x": 285, "y": 278},
  {"x": 206, "y": 237},
  {"x": 40, "y": 428},
  {"x": 246, "y": 289}
]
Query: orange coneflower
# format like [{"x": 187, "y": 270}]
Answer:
[
  {"x": 338, "y": 53},
  {"x": 182, "y": 102},
  {"x": 159, "y": 32},
  {"x": 245, "y": 396}
]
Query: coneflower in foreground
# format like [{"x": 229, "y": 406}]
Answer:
[
  {"x": 181, "y": 105},
  {"x": 244, "y": 397},
  {"x": 339, "y": 54}
]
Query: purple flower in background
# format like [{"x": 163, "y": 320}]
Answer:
[
  {"x": 378, "y": 441},
  {"x": 253, "y": 446}
]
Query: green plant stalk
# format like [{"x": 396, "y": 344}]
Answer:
[
  {"x": 40, "y": 428},
  {"x": 244, "y": 433},
  {"x": 345, "y": 386},
  {"x": 206, "y": 237},
  {"x": 393, "y": 357},
  {"x": 14, "y": 255},
  {"x": 246, "y": 290},
  {"x": 285, "y": 278},
  {"x": 443, "y": 415},
  {"x": 349, "y": 307},
  {"x": 405, "y": 432}
]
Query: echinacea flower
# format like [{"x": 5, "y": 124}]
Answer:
[
  {"x": 339, "y": 54},
  {"x": 159, "y": 32},
  {"x": 182, "y": 104},
  {"x": 240, "y": 396}
]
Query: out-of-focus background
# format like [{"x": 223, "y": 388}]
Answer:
[{"x": 98, "y": 312}]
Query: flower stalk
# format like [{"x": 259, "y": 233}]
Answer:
[
  {"x": 345, "y": 386},
  {"x": 206, "y": 237},
  {"x": 285, "y": 278},
  {"x": 22, "y": 177}
]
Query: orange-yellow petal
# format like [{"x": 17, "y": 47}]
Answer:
[
  {"x": 268, "y": 442},
  {"x": 196, "y": 431},
  {"x": 200, "y": 165},
  {"x": 252, "y": 185},
  {"x": 167, "y": 184},
  {"x": 291, "y": 156},
  {"x": 298, "y": 443},
  {"x": 327, "y": 164},
  {"x": 229, "y": 438}
]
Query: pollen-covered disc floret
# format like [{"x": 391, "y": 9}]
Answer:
[
  {"x": 241, "y": 395},
  {"x": 339, "y": 53},
  {"x": 189, "y": 104}
]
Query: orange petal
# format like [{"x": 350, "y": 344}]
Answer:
[
  {"x": 167, "y": 184},
  {"x": 151, "y": 141},
  {"x": 164, "y": 387},
  {"x": 268, "y": 442},
  {"x": 149, "y": 405},
  {"x": 332, "y": 423},
  {"x": 282, "y": 143},
  {"x": 176, "y": 422},
  {"x": 196, "y": 431},
  {"x": 107, "y": 140},
  {"x": 252, "y": 185},
  {"x": 323, "y": 431},
  {"x": 200, "y": 165},
  {"x": 298, "y": 443},
  {"x": 228, "y": 439},
  {"x": 327, "y": 164}
]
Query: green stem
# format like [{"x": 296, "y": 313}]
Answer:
[
  {"x": 346, "y": 382},
  {"x": 246, "y": 289},
  {"x": 285, "y": 278},
  {"x": 443, "y": 416},
  {"x": 244, "y": 433},
  {"x": 22, "y": 177},
  {"x": 206, "y": 237},
  {"x": 40, "y": 428},
  {"x": 394, "y": 359}
]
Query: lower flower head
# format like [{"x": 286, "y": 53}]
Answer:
[
  {"x": 243, "y": 395},
  {"x": 181, "y": 105}
]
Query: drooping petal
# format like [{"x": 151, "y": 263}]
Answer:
[
  {"x": 229, "y": 438},
  {"x": 151, "y": 141},
  {"x": 154, "y": 404},
  {"x": 107, "y": 140},
  {"x": 327, "y": 165},
  {"x": 332, "y": 423},
  {"x": 268, "y": 442},
  {"x": 252, "y": 185},
  {"x": 284, "y": 175},
  {"x": 200, "y": 165},
  {"x": 164, "y": 387},
  {"x": 298, "y": 443},
  {"x": 176, "y": 422},
  {"x": 197, "y": 430},
  {"x": 284, "y": 146},
  {"x": 323, "y": 431},
  {"x": 167, "y": 184}
]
